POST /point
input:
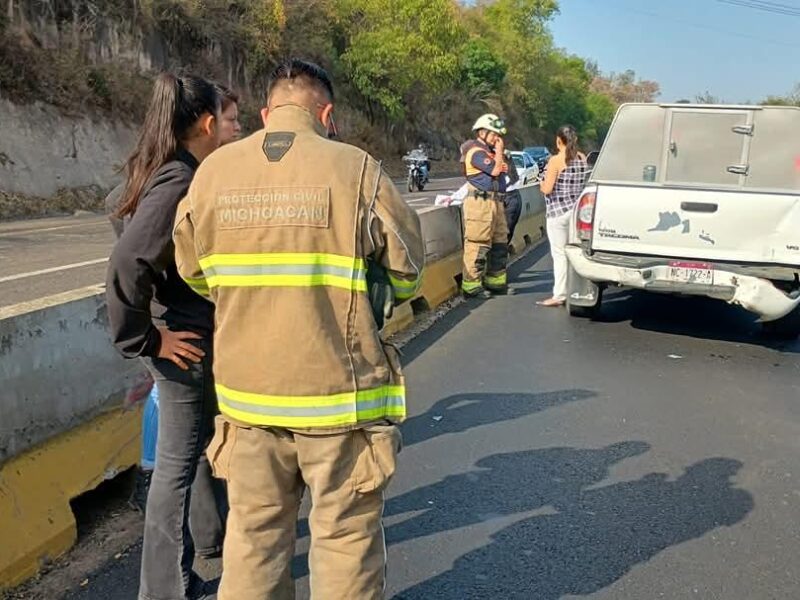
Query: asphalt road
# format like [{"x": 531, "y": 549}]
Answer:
[
  {"x": 654, "y": 453},
  {"x": 47, "y": 256}
]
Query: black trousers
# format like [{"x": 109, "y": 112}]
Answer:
[{"x": 513, "y": 208}]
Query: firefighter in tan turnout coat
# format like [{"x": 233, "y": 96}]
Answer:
[
  {"x": 485, "y": 227},
  {"x": 278, "y": 230}
]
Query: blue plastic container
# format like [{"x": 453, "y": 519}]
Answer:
[{"x": 150, "y": 430}]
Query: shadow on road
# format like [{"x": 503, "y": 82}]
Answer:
[
  {"x": 690, "y": 316},
  {"x": 503, "y": 485},
  {"x": 695, "y": 317},
  {"x": 595, "y": 536},
  {"x": 462, "y": 412}
]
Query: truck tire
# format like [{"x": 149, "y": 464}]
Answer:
[
  {"x": 785, "y": 328},
  {"x": 578, "y": 285}
]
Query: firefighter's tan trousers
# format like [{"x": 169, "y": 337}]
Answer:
[
  {"x": 267, "y": 471},
  {"x": 485, "y": 245}
]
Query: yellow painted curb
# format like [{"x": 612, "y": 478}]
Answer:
[
  {"x": 36, "y": 522},
  {"x": 438, "y": 285},
  {"x": 403, "y": 317}
]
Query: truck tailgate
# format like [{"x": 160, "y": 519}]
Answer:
[{"x": 700, "y": 224}]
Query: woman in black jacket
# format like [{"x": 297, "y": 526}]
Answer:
[{"x": 154, "y": 315}]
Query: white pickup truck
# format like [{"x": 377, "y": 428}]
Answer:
[{"x": 694, "y": 199}]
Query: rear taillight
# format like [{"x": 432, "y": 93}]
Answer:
[{"x": 585, "y": 215}]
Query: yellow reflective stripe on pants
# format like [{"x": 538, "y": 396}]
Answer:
[
  {"x": 471, "y": 286},
  {"x": 285, "y": 270},
  {"x": 332, "y": 410},
  {"x": 404, "y": 290},
  {"x": 496, "y": 280}
]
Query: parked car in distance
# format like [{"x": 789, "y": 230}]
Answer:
[
  {"x": 540, "y": 154},
  {"x": 527, "y": 169}
]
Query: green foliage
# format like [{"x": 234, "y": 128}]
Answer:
[
  {"x": 601, "y": 112},
  {"x": 567, "y": 89},
  {"x": 791, "y": 99},
  {"x": 517, "y": 32},
  {"x": 394, "y": 47},
  {"x": 481, "y": 71}
]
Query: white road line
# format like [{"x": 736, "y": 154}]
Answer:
[
  {"x": 86, "y": 263},
  {"x": 55, "y": 228}
]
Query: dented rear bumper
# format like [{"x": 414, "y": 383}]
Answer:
[{"x": 756, "y": 294}]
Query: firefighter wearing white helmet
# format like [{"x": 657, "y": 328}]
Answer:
[{"x": 486, "y": 232}]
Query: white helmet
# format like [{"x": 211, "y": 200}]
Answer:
[{"x": 490, "y": 122}]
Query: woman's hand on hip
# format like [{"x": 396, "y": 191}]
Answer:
[{"x": 175, "y": 347}]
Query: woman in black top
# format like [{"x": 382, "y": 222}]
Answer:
[{"x": 154, "y": 315}]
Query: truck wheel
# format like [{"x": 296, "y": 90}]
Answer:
[
  {"x": 583, "y": 287},
  {"x": 785, "y": 328}
]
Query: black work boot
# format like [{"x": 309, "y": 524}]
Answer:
[
  {"x": 141, "y": 487},
  {"x": 503, "y": 291},
  {"x": 481, "y": 294}
]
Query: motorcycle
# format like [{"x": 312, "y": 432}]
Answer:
[{"x": 417, "y": 170}]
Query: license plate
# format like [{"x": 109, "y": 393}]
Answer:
[{"x": 688, "y": 272}]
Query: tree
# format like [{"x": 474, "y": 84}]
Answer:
[
  {"x": 516, "y": 31},
  {"x": 625, "y": 87},
  {"x": 593, "y": 69},
  {"x": 791, "y": 99},
  {"x": 601, "y": 113},
  {"x": 707, "y": 98},
  {"x": 566, "y": 93},
  {"x": 276, "y": 29},
  {"x": 394, "y": 47},
  {"x": 481, "y": 71}
]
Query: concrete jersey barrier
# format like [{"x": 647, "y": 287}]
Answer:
[
  {"x": 63, "y": 429},
  {"x": 58, "y": 367}
]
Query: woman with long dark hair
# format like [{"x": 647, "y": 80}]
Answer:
[
  {"x": 564, "y": 178},
  {"x": 154, "y": 315}
]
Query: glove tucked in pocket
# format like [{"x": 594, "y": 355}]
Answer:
[{"x": 380, "y": 292}]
